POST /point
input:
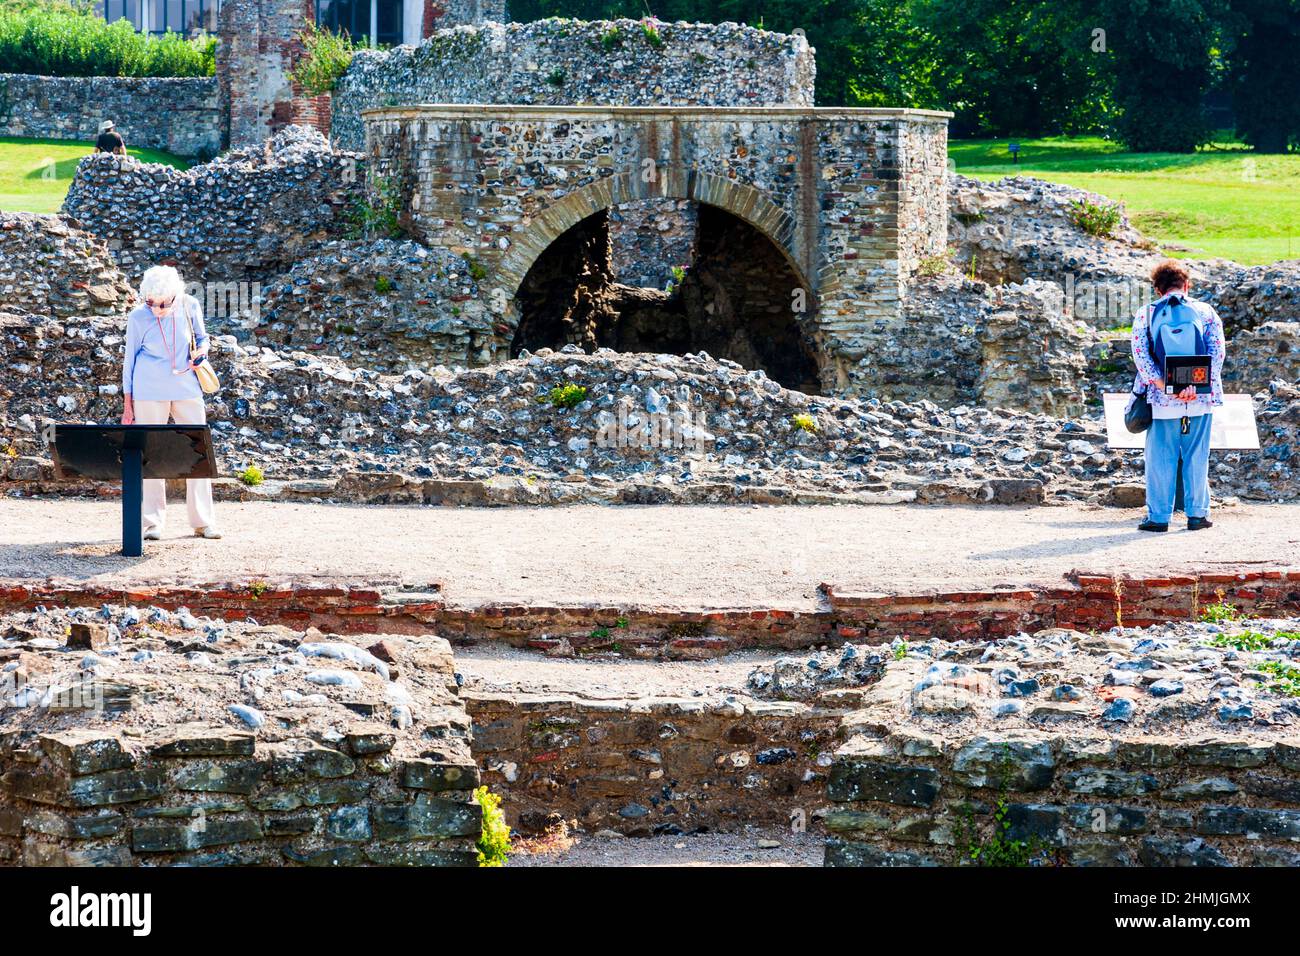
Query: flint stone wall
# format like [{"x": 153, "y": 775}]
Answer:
[
  {"x": 903, "y": 801},
  {"x": 218, "y": 796},
  {"x": 247, "y": 216},
  {"x": 176, "y": 114},
  {"x": 569, "y": 62}
]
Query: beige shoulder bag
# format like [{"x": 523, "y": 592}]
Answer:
[{"x": 208, "y": 380}]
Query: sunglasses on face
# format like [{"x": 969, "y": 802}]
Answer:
[{"x": 159, "y": 304}]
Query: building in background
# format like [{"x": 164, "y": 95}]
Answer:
[{"x": 378, "y": 22}]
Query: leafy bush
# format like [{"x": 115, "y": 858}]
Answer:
[
  {"x": 53, "y": 40},
  {"x": 328, "y": 56},
  {"x": 494, "y": 843},
  {"x": 1096, "y": 219},
  {"x": 252, "y": 475}
]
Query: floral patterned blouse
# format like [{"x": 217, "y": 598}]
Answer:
[{"x": 1168, "y": 406}]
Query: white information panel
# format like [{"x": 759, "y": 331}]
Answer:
[{"x": 1233, "y": 427}]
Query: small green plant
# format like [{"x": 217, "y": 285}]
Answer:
[
  {"x": 972, "y": 274},
  {"x": 567, "y": 395},
  {"x": 805, "y": 423},
  {"x": 611, "y": 39},
  {"x": 328, "y": 56},
  {"x": 900, "y": 651},
  {"x": 1245, "y": 641},
  {"x": 258, "y": 588},
  {"x": 999, "y": 849},
  {"x": 650, "y": 30},
  {"x": 1096, "y": 219},
  {"x": 1286, "y": 677},
  {"x": 11, "y": 450},
  {"x": 252, "y": 475},
  {"x": 476, "y": 270},
  {"x": 383, "y": 285},
  {"x": 557, "y": 77},
  {"x": 621, "y": 622},
  {"x": 379, "y": 218},
  {"x": 1220, "y": 612},
  {"x": 932, "y": 266},
  {"x": 678, "y": 277},
  {"x": 600, "y": 633},
  {"x": 494, "y": 842}
]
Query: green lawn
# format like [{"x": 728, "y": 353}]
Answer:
[
  {"x": 1217, "y": 202},
  {"x": 35, "y": 173}
]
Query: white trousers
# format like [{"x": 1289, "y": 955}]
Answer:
[{"x": 198, "y": 491}]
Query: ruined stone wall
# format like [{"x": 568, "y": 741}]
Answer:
[
  {"x": 134, "y": 736},
  {"x": 651, "y": 766},
  {"x": 562, "y": 62},
  {"x": 502, "y": 183},
  {"x": 176, "y": 114},
  {"x": 48, "y": 267},
  {"x": 247, "y": 216},
  {"x": 216, "y": 796},
  {"x": 1153, "y": 801}
]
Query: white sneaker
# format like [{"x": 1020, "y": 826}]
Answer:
[
  {"x": 207, "y": 533},
  {"x": 153, "y": 534}
]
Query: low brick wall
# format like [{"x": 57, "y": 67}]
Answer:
[
  {"x": 176, "y": 114},
  {"x": 1087, "y": 602},
  {"x": 649, "y": 766},
  {"x": 216, "y": 796},
  {"x": 1152, "y": 801}
]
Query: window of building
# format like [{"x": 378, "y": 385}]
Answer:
[
  {"x": 363, "y": 19},
  {"x": 160, "y": 16}
]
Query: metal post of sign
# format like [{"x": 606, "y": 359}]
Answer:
[{"x": 132, "y": 502}]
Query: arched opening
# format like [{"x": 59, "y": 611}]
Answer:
[{"x": 737, "y": 297}]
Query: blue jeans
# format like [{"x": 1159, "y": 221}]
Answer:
[{"x": 1165, "y": 443}]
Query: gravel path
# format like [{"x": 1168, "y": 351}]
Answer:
[
  {"x": 705, "y": 849},
  {"x": 693, "y": 556}
]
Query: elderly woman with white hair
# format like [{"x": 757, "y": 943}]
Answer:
[{"x": 165, "y": 341}]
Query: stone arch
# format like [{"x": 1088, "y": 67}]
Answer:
[{"x": 743, "y": 201}]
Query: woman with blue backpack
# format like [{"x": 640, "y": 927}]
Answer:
[{"x": 1176, "y": 332}]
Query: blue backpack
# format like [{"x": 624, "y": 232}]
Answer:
[{"x": 1175, "y": 328}]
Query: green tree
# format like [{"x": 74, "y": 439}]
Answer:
[
  {"x": 1016, "y": 66},
  {"x": 1262, "y": 37},
  {"x": 1163, "y": 56}
]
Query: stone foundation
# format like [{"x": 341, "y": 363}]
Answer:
[
  {"x": 147, "y": 737},
  {"x": 1150, "y": 801},
  {"x": 648, "y": 766}
]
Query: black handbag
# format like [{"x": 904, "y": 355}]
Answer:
[{"x": 1137, "y": 417}]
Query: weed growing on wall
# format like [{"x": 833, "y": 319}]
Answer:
[
  {"x": 494, "y": 843},
  {"x": 1096, "y": 219},
  {"x": 328, "y": 56}
]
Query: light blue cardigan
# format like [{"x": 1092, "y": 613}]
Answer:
[{"x": 147, "y": 366}]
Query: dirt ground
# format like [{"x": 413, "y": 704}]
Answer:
[
  {"x": 668, "y": 556},
  {"x": 749, "y": 847}
]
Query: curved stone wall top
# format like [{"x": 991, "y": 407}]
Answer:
[{"x": 562, "y": 62}]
